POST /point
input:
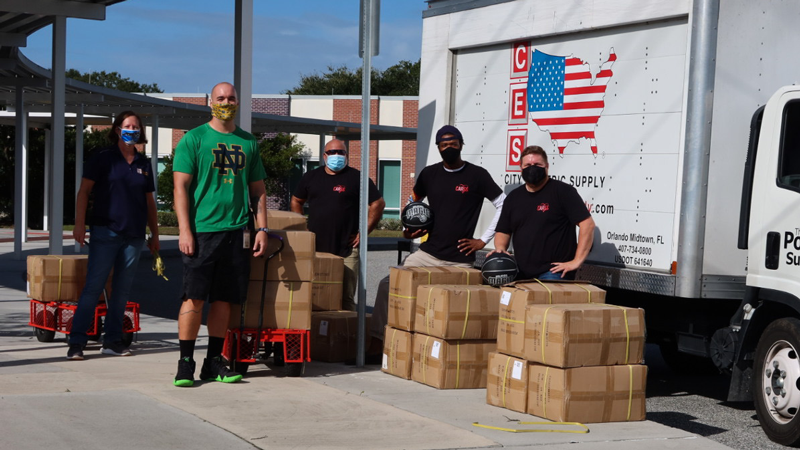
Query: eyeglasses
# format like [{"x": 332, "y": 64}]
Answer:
[{"x": 335, "y": 152}]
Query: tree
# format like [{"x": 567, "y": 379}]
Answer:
[
  {"x": 166, "y": 184},
  {"x": 399, "y": 79},
  {"x": 278, "y": 154},
  {"x": 112, "y": 80}
]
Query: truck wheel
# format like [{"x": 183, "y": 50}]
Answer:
[{"x": 775, "y": 381}]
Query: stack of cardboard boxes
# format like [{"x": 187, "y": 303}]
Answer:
[
  {"x": 441, "y": 327},
  {"x": 58, "y": 278},
  {"x": 564, "y": 355}
]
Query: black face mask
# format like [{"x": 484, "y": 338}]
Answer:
[
  {"x": 533, "y": 174},
  {"x": 450, "y": 155}
]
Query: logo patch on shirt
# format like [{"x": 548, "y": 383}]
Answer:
[
  {"x": 340, "y": 188},
  {"x": 543, "y": 207},
  {"x": 139, "y": 171},
  {"x": 225, "y": 159},
  {"x": 463, "y": 188}
]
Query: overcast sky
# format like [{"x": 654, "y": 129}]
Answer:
[{"x": 186, "y": 46}]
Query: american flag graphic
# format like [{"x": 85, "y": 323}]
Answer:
[{"x": 563, "y": 99}]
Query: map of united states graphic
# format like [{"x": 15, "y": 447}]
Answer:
[{"x": 564, "y": 99}]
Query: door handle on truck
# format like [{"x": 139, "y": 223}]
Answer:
[{"x": 773, "y": 248}]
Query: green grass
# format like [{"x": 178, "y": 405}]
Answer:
[{"x": 386, "y": 233}]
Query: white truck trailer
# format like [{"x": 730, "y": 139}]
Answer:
[{"x": 653, "y": 110}]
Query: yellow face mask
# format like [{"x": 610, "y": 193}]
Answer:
[{"x": 224, "y": 112}]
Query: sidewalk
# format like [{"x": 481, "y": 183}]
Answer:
[{"x": 110, "y": 402}]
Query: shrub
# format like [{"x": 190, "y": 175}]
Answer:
[
  {"x": 390, "y": 224},
  {"x": 167, "y": 219}
]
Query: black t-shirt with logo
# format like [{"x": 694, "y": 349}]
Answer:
[
  {"x": 456, "y": 199},
  {"x": 542, "y": 225},
  {"x": 333, "y": 202}
]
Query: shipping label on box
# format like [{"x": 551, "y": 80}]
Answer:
[
  {"x": 457, "y": 312},
  {"x": 326, "y": 289},
  {"x": 294, "y": 263},
  {"x": 507, "y": 382},
  {"x": 334, "y": 335},
  {"x": 550, "y": 293},
  {"x": 587, "y": 394},
  {"x": 592, "y": 334},
  {"x": 58, "y": 278},
  {"x": 286, "y": 220},
  {"x": 287, "y": 305},
  {"x": 403, "y": 284},
  {"x": 397, "y": 353},
  {"x": 450, "y": 364}
]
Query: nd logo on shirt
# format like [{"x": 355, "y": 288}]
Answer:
[{"x": 226, "y": 159}]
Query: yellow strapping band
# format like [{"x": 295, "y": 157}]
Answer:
[
  {"x": 512, "y": 430},
  {"x": 630, "y": 391},
  {"x": 429, "y": 274},
  {"x": 505, "y": 375},
  {"x": 466, "y": 317},
  {"x": 402, "y": 296},
  {"x": 627, "y": 332},
  {"x": 424, "y": 359},
  {"x": 291, "y": 298},
  {"x": 544, "y": 324},
  {"x": 465, "y": 270},
  {"x": 327, "y": 282},
  {"x": 587, "y": 290},
  {"x": 427, "y": 311},
  {"x": 549, "y": 292},
  {"x": 60, "y": 267},
  {"x": 511, "y": 320}
]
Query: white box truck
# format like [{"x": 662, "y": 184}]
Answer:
[{"x": 653, "y": 110}]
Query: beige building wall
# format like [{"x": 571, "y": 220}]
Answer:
[
  {"x": 312, "y": 107},
  {"x": 391, "y": 114}
]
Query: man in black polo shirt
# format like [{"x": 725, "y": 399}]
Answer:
[
  {"x": 541, "y": 216},
  {"x": 333, "y": 192},
  {"x": 455, "y": 190}
]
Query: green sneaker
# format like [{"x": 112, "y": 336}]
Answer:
[
  {"x": 215, "y": 369},
  {"x": 185, "y": 376}
]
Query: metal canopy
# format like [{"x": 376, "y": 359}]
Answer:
[{"x": 17, "y": 71}]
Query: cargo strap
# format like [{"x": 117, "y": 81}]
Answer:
[
  {"x": 392, "y": 343},
  {"x": 544, "y": 392},
  {"x": 627, "y": 332},
  {"x": 630, "y": 391},
  {"x": 514, "y": 430},
  {"x": 587, "y": 291},
  {"x": 429, "y": 274},
  {"x": 465, "y": 271},
  {"x": 549, "y": 292},
  {"x": 466, "y": 316},
  {"x": 505, "y": 376},
  {"x": 60, "y": 267},
  {"x": 427, "y": 311},
  {"x": 425, "y": 359},
  {"x": 291, "y": 298},
  {"x": 511, "y": 320},
  {"x": 544, "y": 325}
]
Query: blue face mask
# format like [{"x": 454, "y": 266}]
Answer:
[
  {"x": 336, "y": 162},
  {"x": 129, "y": 137}
]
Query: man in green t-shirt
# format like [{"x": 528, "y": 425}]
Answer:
[{"x": 216, "y": 166}]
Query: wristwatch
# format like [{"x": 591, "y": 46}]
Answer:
[{"x": 265, "y": 230}]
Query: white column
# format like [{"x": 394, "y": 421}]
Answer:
[
  {"x": 78, "y": 161},
  {"x": 243, "y": 62},
  {"x": 56, "y": 181},
  {"x": 48, "y": 168},
  {"x": 20, "y": 175}
]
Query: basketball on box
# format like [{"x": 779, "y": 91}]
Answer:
[
  {"x": 499, "y": 269},
  {"x": 417, "y": 216}
]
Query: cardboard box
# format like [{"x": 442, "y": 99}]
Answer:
[
  {"x": 326, "y": 289},
  {"x": 397, "y": 353},
  {"x": 450, "y": 364},
  {"x": 515, "y": 299},
  {"x": 403, "y": 284},
  {"x": 58, "y": 278},
  {"x": 334, "y": 335},
  {"x": 286, "y": 220},
  {"x": 587, "y": 394},
  {"x": 294, "y": 263},
  {"x": 551, "y": 293},
  {"x": 457, "y": 312},
  {"x": 287, "y": 306},
  {"x": 591, "y": 334},
  {"x": 507, "y": 382}
]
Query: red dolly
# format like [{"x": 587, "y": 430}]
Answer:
[
  {"x": 289, "y": 347},
  {"x": 47, "y": 318}
]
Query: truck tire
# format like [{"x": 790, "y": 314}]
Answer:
[{"x": 776, "y": 379}]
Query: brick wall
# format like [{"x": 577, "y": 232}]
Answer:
[
  {"x": 277, "y": 106},
  {"x": 409, "y": 161},
  {"x": 347, "y": 110},
  {"x": 177, "y": 135}
]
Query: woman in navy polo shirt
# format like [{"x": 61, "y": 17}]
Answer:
[{"x": 122, "y": 182}]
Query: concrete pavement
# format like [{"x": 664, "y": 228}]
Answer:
[{"x": 110, "y": 402}]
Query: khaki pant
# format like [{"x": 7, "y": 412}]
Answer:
[
  {"x": 350, "y": 281},
  {"x": 380, "y": 312}
]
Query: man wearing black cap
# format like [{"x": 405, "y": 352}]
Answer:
[{"x": 455, "y": 190}]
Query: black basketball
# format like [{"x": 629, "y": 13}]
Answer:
[
  {"x": 499, "y": 269},
  {"x": 417, "y": 216}
]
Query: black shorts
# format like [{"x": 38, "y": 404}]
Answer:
[{"x": 219, "y": 270}]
